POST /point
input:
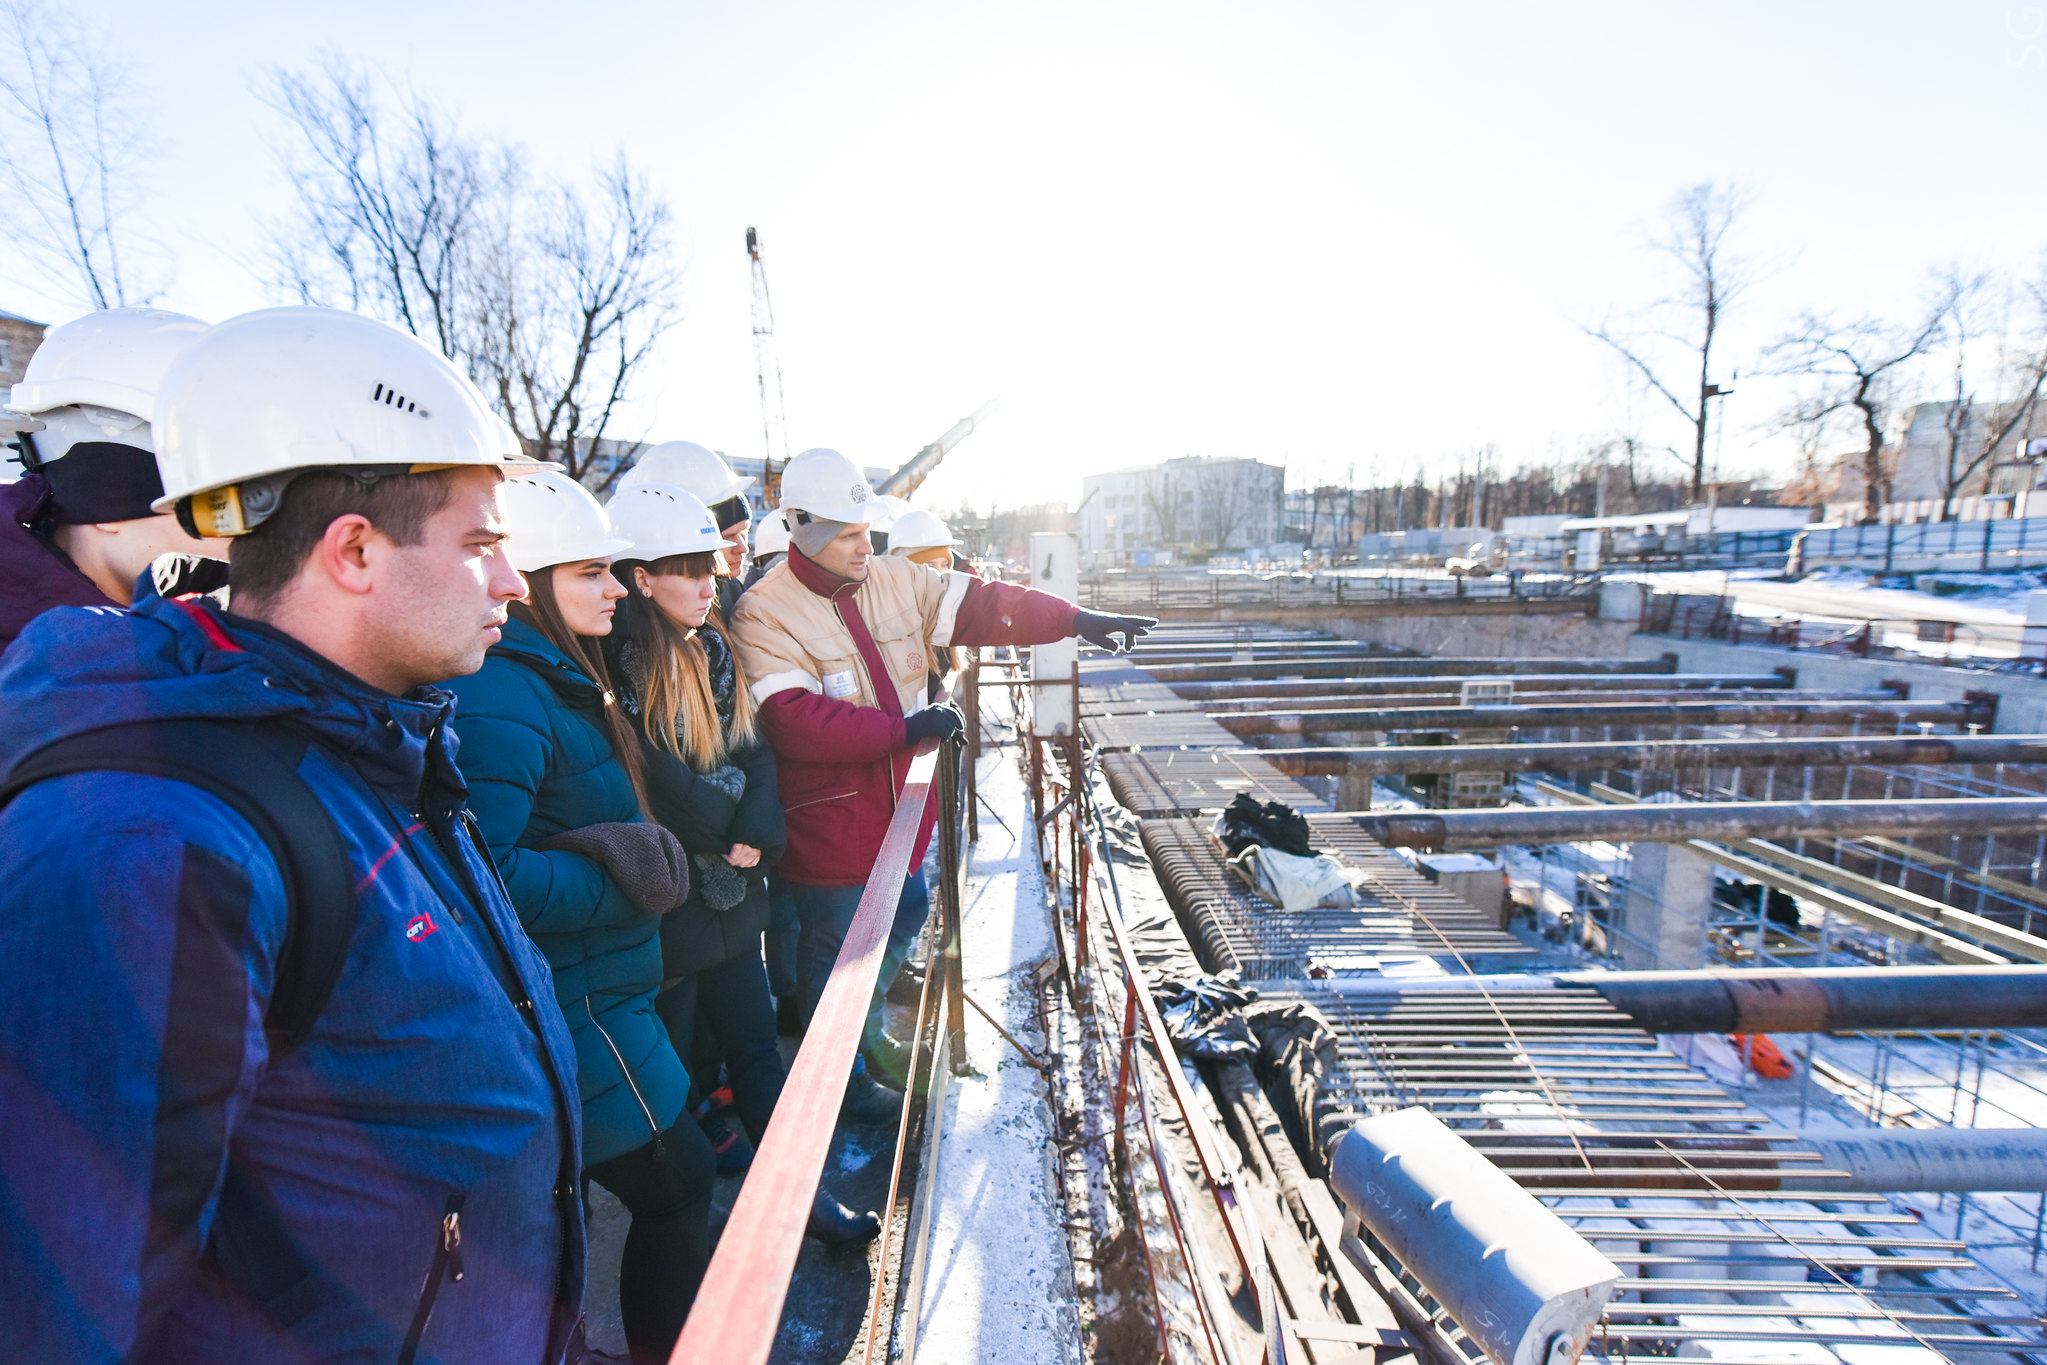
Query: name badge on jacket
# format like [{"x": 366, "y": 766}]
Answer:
[{"x": 841, "y": 685}]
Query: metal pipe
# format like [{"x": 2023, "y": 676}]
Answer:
[
  {"x": 1452, "y": 682},
  {"x": 1604, "y": 713},
  {"x": 1635, "y": 691},
  {"x": 1674, "y": 822},
  {"x": 1825, "y": 999},
  {"x": 1935, "y": 1160},
  {"x": 1761, "y": 1000},
  {"x": 1661, "y": 755},
  {"x": 1520, "y": 1282},
  {"x": 1399, "y": 666}
]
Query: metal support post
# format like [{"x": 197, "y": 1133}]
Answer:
[
  {"x": 970, "y": 703},
  {"x": 952, "y": 873}
]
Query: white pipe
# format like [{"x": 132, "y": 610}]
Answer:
[
  {"x": 1935, "y": 1160},
  {"x": 1524, "y": 1286}
]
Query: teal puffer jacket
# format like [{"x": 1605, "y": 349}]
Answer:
[{"x": 539, "y": 761}]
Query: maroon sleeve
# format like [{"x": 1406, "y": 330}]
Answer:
[
  {"x": 828, "y": 730},
  {"x": 1005, "y": 614}
]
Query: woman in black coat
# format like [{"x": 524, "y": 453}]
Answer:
[{"x": 711, "y": 780}]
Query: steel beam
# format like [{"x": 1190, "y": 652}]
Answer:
[
  {"x": 1935, "y": 1160},
  {"x": 1452, "y": 683},
  {"x": 1660, "y": 822},
  {"x": 1661, "y": 755},
  {"x": 1396, "y": 666},
  {"x": 1638, "y": 691},
  {"x": 1762, "y": 1000},
  {"x": 1824, "y": 999},
  {"x": 1882, "y": 713}
]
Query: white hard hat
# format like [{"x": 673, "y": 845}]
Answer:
[
  {"x": 826, "y": 484},
  {"x": 885, "y": 515},
  {"x": 283, "y": 390},
  {"x": 553, "y": 519},
  {"x": 662, "y": 520},
  {"x": 917, "y": 529},
  {"x": 771, "y": 535},
  {"x": 689, "y": 467},
  {"x": 115, "y": 359}
]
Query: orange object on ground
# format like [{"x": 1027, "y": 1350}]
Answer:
[{"x": 1763, "y": 1058}]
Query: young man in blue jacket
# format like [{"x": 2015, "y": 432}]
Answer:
[{"x": 191, "y": 1168}]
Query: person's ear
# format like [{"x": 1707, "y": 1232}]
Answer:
[
  {"x": 351, "y": 553},
  {"x": 643, "y": 580}
]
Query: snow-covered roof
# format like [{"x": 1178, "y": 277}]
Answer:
[{"x": 1639, "y": 519}]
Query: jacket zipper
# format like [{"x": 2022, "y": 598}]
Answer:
[
  {"x": 624, "y": 1071},
  {"x": 447, "y": 1265},
  {"x": 816, "y": 800},
  {"x": 873, "y": 687}
]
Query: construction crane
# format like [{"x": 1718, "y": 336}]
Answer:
[
  {"x": 774, "y": 418},
  {"x": 904, "y": 481}
]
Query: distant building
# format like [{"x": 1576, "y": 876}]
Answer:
[
  {"x": 18, "y": 341},
  {"x": 1915, "y": 457},
  {"x": 1186, "y": 508}
]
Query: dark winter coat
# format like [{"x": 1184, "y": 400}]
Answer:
[
  {"x": 34, "y": 574},
  {"x": 539, "y": 761},
  {"x": 709, "y": 822},
  {"x": 141, "y": 923}
]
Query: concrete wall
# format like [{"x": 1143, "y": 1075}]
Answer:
[
  {"x": 1558, "y": 635},
  {"x": 2022, "y": 701}
]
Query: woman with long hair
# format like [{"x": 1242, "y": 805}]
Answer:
[
  {"x": 711, "y": 781},
  {"x": 561, "y": 793}
]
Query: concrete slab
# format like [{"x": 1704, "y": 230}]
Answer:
[{"x": 999, "y": 1284}]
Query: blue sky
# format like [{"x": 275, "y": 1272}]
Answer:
[{"x": 1335, "y": 235}]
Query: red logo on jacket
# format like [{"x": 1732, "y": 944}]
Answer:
[{"x": 419, "y": 926}]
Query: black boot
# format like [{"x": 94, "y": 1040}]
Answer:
[
  {"x": 908, "y": 987},
  {"x": 888, "y": 1057},
  {"x": 868, "y": 1102},
  {"x": 836, "y": 1225}
]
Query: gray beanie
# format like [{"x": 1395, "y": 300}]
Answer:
[{"x": 812, "y": 534}]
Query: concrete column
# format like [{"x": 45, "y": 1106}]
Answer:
[
  {"x": 1055, "y": 568},
  {"x": 2034, "y": 641},
  {"x": 1670, "y": 895}
]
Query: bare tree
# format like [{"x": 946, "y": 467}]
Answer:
[
  {"x": 551, "y": 292},
  {"x": 72, "y": 153},
  {"x": 2017, "y": 372},
  {"x": 1222, "y": 503},
  {"x": 1161, "y": 496},
  {"x": 391, "y": 201},
  {"x": 1693, "y": 234},
  {"x": 578, "y": 296},
  {"x": 1857, "y": 367}
]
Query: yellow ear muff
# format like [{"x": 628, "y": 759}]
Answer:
[{"x": 218, "y": 512}]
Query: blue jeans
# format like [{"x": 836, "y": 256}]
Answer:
[
  {"x": 779, "y": 943},
  {"x": 825, "y": 913},
  {"x": 724, "y": 1015}
]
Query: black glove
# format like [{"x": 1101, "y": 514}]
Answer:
[
  {"x": 1100, "y": 629},
  {"x": 934, "y": 722}
]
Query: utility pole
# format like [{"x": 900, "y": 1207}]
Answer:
[{"x": 774, "y": 418}]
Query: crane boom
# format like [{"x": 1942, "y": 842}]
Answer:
[
  {"x": 774, "y": 418},
  {"x": 905, "y": 481}
]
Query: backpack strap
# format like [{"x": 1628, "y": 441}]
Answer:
[{"x": 253, "y": 767}]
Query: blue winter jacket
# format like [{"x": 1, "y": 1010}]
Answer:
[
  {"x": 140, "y": 927},
  {"x": 539, "y": 762}
]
